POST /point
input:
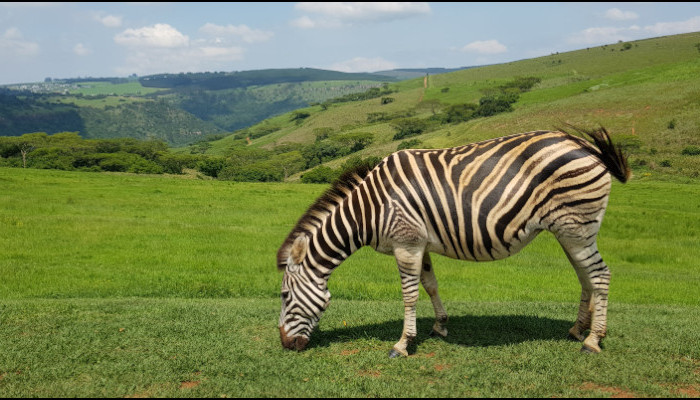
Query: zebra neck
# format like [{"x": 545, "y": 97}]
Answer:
[{"x": 338, "y": 233}]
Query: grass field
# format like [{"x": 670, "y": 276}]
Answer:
[{"x": 117, "y": 285}]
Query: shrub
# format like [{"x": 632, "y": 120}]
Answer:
[
  {"x": 357, "y": 162},
  {"x": 672, "y": 124},
  {"x": 460, "y": 112},
  {"x": 320, "y": 174},
  {"x": 629, "y": 143},
  {"x": 211, "y": 166},
  {"x": 409, "y": 144},
  {"x": 257, "y": 172},
  {"x": 299, "y": 116},
  {"x": 691, "y": 151},
  {"x": 322, "y": 133},
  {"x": 175, "y": 163},
  {"x": 407, "y": 127},
  {"x": 491, "y": 105}
]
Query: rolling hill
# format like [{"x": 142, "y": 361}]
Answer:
[
  {"x": 176, "y": 108},
  {"x": 645, "y": 92}
]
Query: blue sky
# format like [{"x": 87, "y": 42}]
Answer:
[{"x": 65, "y": 40}]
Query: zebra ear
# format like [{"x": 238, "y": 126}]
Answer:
[{"x": 299, "y": 247}]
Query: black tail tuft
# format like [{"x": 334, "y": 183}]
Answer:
[{"x": 610, "y": 155}]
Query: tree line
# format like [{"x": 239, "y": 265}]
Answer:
[{"x": 68, "y": 151}]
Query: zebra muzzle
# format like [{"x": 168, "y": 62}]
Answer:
[{"x": 297, "y": 343}]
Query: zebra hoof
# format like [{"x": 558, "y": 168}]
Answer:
[
  {"x": 394, "y": 354},
  {"x": 434, "y": 333},
  {"x": 589, "y": 350},
  {"x": 576, "y": 334},
  {"x": 576, "y": 338}
]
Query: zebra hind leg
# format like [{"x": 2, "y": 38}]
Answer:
[
  {"x": 583, "y": 321},
  {"x": 594, "y": 277},
  {"x": 427, "y": 278}
]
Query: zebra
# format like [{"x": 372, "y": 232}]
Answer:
[{"x": 479, "y": 202}]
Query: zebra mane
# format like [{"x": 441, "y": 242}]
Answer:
[
  {"x": 334, "y": 195},
  {"x": 611, "y": 155}
]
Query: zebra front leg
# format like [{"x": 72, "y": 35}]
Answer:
[
  {"x": 427, "y": 278},
  {"x": 594, "y": 277},
  {"x": 409, "y": 263}
]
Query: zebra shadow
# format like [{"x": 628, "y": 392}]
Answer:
[{"x": 465, "y": 330}]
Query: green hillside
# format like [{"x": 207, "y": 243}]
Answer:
[
  {"x": 175, "y": 108},
  {"x": 646, "y": 93}
]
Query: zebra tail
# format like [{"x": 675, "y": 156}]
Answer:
[{"x": 610, "y": 154}]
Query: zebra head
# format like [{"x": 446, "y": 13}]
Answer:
[{"x": 304, "y": 296}]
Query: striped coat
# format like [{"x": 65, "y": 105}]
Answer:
[{"x": 478, "y": 202}]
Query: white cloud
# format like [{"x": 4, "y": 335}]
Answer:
[
  {"x": 162, "y": 48},
  {"x": 12, "y": 43},
  {"x": 110, "y": 21},
  {"x": 605, "y": 35},
  {"x": 600, "y": 35},
  {"x": 672, "y": 28},
  {"x": 619, "y": 15},
  {"x": 485, "y": 47},
  {"x": 342, "y": 14},
  {"x": 80, "y": 50},
  {"x": 185, "y": 59},
  {"x": 303, "y": 23},
  {"x": 243, "y": 32},
  {"x": 362, "y": 64},
  {"x": 156, "y": 36}
]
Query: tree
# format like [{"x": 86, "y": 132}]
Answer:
[
  {"x": 407, "y": 127},
  {"x": 28, "y": 142}
]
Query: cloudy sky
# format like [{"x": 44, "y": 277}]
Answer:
[{"x": 65, "y": 40}]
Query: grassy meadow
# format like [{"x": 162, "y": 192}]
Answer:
[{"x": 119, "y": 285}]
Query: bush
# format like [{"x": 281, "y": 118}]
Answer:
[
  {"x": 175, "y": 163},
  {"x": 409, "y": 144},
  {"x": 460, "y": 112},
  {"x": 491, "y": 105},
  {"x": 629, "y": 143},
  {"x": 299, "y": 116},
  {"x": 211, "y": 166},
  {"x": 353, "y": 141},
  {"x": 691, "y": 151},
  {"x": 322, "y": 133},
  {"x": 257, "y": 172},
  {"x": 355, "y": 162},
  {"x": 321, "y": 174},
  {"x": 408, "y": 127},
  {"x": 128, "y": 162}
]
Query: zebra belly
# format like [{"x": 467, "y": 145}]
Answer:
[{"x": 478, "y": 252}]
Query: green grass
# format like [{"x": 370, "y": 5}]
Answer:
[
  {"x": 230, "y": 347},
  {"x": 122, "y": 285}
]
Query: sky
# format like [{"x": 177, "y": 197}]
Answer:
[{"x": 70, "y": 40}]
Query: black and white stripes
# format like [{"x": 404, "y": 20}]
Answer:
[{"x": 478, "y": 202}]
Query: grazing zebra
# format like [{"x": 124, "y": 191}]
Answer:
[{"x": 479, "y": 202}]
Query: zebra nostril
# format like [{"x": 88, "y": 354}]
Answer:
[
  {"x": 301, "y": 343},
  {"x": 287, "y": 343}
]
